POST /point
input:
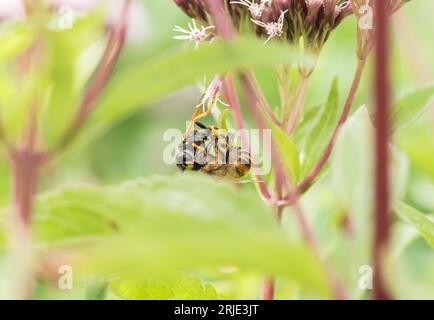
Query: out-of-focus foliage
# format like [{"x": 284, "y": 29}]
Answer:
[
  {"x": 411, "y": 107},
  {"x": 287, "y": 150},
  {"x": 158, "y": 222},
  {"x": 54, "y": 75},
  {"x": 165, "y": 223},
  {"x": 172, "y": 287}
]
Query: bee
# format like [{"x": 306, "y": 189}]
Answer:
[{"x": 212, "y": 152}]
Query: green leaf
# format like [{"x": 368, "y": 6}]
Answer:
[
  {"x": 421, "y": 222},
  {"x": 169, "y": 224},
  {"x": 321, "y": 130},
  {"x": 409, "y": 108},
  {"x": 136, "y": 86},
  {"x": 173, "y": 287}
]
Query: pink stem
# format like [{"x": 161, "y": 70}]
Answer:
[
  {"x": 232, "y": 98},
  {"x": 298, "y": 106},
  {"x": 222, "y": 23},
  {"x": 252, "y": 102},
  {"x": 382, "y": 196},
  {"x": 268, "y": 289},
  {"x": 25, "y": 165}
]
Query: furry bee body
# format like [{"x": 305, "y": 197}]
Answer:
[{"x": 212, "y": 152}]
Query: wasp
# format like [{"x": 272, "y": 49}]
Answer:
[{"x": 211, "y": 151}]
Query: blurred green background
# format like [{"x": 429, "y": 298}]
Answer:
[{"x": 134, "y": 148}]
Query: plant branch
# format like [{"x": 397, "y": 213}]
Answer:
[
  {"x": 231, "y": 97},
  {"x": 301, "y": 95},
  {"x": 382, "y": 196},
  {"x": 223, "y": 25},
  {"x": 268, "y": 289}
]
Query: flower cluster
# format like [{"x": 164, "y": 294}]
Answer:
[
  {"x": 255, "y": 8},
  {"x": 313, "y": 20},
  {"x": 288, "y": 20}
]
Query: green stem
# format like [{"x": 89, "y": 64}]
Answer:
[
  {"x": 299, "y": 102},
  {"x": 284, "y": 83}
]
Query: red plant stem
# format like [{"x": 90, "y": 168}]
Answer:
[
  {"x": 252, "y": 98},
  {"x": 307, "y": 182},
  {"x": 304, "y": 227},
  {"x": 232, "y": 98},
  {"x": 268, "y": 289},
  {"x": 382, "y": 197},
  {"x": 25, "y": 168},
  {"x": 102, "y": 74}
]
